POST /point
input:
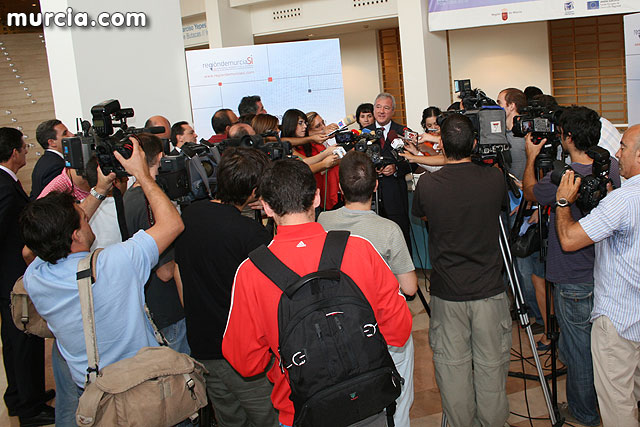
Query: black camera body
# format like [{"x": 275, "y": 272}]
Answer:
[
  {"x": 489, "y": 131},
  {"x": 100, "y": 140},
  {"x": 593, "y": 187},
  {"x": 191, "y": 175},
  {"x": 275, "y": 150},
  {"x": 539, "y": 121}
]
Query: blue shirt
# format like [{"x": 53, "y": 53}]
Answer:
[
  {"x": 615, "y": 225},
  {"x": 122, "y": 327}
]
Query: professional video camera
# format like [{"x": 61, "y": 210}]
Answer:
[
  {"x": 489, "y": 129},
  {"x": 593, "y": 187},
  {"x": 542, "y": 123},
  {"x": 191, "y": 175},
  {"x": 275, "y": 150},
  {"x": 100, "y": 139}
]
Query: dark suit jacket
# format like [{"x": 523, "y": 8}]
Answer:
[
  {"x": 48, "y": 167},
  {"x": 12, "y": 201},
  {"x": 393, "y": 189}
]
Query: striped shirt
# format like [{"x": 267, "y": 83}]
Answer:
[
  {"x": 609, "y": 137},
  {"x": 63, "y": 184},
  {"x": 615, "y": 227}
]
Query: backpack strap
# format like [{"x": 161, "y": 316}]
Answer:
[
  {"x": 86, "y": 272},
  {"x": 333, "y": 250},
  {"x": 274, "y": 269}
]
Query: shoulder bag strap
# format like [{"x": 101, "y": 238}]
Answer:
[
  {"x": 84, "y": 276},
  {"x": 273, "y": 268},
  {"x": 333, "y": 250}
]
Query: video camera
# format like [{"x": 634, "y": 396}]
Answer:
[
  {"x": 191, "y": 175},
  {"x": 593, "y": 187},
  {"x": 489, "y": 123},
  {"x": 100, "y": 140},
  {"x": 542, "y": 123},
  {"x": 275, "y": 150}
]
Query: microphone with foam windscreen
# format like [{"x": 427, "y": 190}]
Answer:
[{"x": 343, "y": 124}]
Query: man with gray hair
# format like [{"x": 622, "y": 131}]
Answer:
[
  {"x": 392, "y": 185},
  {"x": 614, "y": 227}
]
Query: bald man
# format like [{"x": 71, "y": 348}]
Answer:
[
  {"x": 240, "y": 129},
  {"x": 614, "y": 226},
  {"x": 159, "y": 121}
]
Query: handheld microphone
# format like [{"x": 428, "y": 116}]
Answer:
[{"x": 343, "y": 124}]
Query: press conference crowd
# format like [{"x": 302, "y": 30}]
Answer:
[{"x": 211, "y": 296}]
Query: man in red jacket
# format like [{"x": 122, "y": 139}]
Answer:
[{"x": 289, "y": 195}]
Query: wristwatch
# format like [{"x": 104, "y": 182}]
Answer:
[
  {"x": 562, "y": 202},
  {"x": 97, "y": 195}
]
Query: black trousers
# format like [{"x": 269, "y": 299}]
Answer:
[
  {"x": 392, "y": 192},
  {"x": 24, "y": 366}
]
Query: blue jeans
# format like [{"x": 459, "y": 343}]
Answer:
[
  {"x": 176, "y": 336},
  {"x": 525, "y": 267},
  {"x": 573, "y": 305},
  {"x": 67, "y": 391}
]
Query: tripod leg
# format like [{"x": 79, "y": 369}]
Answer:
[
  {"x": 424, "y": 302},
  {"x": 523, "y": 317}
]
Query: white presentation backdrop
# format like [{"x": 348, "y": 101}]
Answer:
[
  {"x": 304, "y": 75},
  {"x": 453, "y": 14},
  {"x": 632, "y": 51}
]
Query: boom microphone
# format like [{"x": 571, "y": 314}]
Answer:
[{"x": 343, "y": 124}]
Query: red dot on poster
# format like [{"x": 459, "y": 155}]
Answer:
[
  {"x": 270, "y": 79},
  {"x": 219, "y": 83}
]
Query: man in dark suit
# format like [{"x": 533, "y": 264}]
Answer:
[
  {"x": 182, "y": 132},
  {"x": 392, "y": 186},
  {"x": 49, "y": 135},
  {"x": 23, "y": 354}
]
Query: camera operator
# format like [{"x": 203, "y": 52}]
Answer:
[
  {"x": 513, "y": 101},
  {"x": 531, "y": 268},
  {"x": 221, "y": 121},
  {"x": 57, "y": 231},
  {"x": 182, "y": 132},
  {"x": 159, "y": 121},
  {"x": 468, "y": 295},
  {"x": 216, "y": 240},
  {"x": 571, "y": 272},
  {"x": 392, "y": 185},
  {"x": 161, "y": 293},
  {"x": 615, "y": 227}
]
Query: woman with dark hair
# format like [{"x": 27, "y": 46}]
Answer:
[
  {"x": 429, "y": 120},
  {"x": 364, "y": 115},
  {"x": 294, "y": 130}
]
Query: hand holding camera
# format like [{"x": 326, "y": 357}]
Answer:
[{"x": 569, "y": 187}]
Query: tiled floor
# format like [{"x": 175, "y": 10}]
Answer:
[{"x": 426, "y": 410}]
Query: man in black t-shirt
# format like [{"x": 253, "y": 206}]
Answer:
[
  {"x": 470, "y": 327},
  {"x": 216, "y": 240},
  {"x": 161, "y": 294}
]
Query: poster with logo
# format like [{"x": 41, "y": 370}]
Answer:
[
  {"x": 304, "y": 75},
  {"x": 632, "y": 52},
  {"x": 454, "y": 14}
]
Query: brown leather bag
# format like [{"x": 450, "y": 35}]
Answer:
[
  {"x": 24, "y": 313},
  {"x": 156, "y": 387}
]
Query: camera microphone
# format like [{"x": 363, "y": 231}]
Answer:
[
  {"x": 154, "y": 129},
  {"x": 343, "y": 124}
]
